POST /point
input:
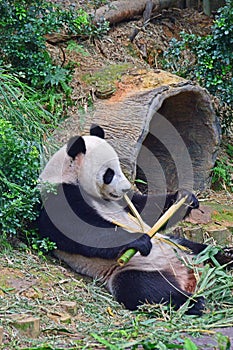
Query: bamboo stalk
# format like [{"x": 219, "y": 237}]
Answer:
[
  {"x": 128, "y": 254},
  {"x": 134, "y": 211}
]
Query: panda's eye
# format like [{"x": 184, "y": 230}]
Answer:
[{"x": 108, "y": 176}]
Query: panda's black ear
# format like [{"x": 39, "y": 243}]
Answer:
[
  {"x": 75, "y": 146},
  {"x": 96, "y": 130}
]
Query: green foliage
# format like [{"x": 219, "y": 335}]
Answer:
[
  {"x": 23, "y": 124},
  {"x": 18, "y": 106},
  {"x": 222, "y": 174},
  {"x": 42, "y": 246},
  {"x": 222, "y": 177},
  {"x": 23, "y": 26},
  {"x": 208, "y": 59},
  {"x": 74, "y": 46},
  {"x": 19, "y": 164}
]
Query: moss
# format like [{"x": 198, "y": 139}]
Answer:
[
  {"x": 222, "y": 215},
  {"x": 104, "y": 80}
]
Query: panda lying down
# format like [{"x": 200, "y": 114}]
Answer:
[{"x": 80, "y": 217}]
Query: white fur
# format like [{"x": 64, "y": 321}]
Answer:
[
  {"x": 114, "y": 212},
  {"x": 98, "y": 158},
  {"x": 89, "y": 169},
  {"x": 161, "y": 258},
  {"x": 58, "y": 169}
]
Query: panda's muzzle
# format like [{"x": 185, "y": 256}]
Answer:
[
  {"x": 123, "y": 190},
  {"x": 114, "y": 196}
]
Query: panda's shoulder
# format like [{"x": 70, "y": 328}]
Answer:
[{"x": 70, "y": 196}]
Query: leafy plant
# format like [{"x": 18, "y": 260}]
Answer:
[
  {"x": 41, "y": 246},
  {"x": 74, "y": 46},
  {"x": 18, "y": 106},
  {"x": 19, "y": 164},
  {"x": 208, "y": 59},
  {"x": 23, "y": 26},
  {"x": 222, "y": 174},
  {"x": 23, "y": 125}
]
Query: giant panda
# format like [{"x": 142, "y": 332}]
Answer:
[{"x": 80, "y": 214}]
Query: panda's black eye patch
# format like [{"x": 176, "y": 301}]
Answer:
[{"x": 108, "y": 176}]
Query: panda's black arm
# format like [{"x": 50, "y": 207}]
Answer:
[
  {"x": 63, "y": 242},
  {"x": 151, "y": 207},
  {"x": 76, "y": 227}
]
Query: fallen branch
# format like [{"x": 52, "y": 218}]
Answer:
[
  {"x": 146, "y": 19},
  {"x": 123, "y": 10}
]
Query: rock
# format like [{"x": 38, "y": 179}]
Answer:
[
  {"x": 221, "y": 235},
  {"x": 27, "y": 325},
  {"x": 70, "y": 307},
  {"x": 194, "y": 233},
  {"x": 59, "y": 317},
  {"x": 200, "y": 216}
]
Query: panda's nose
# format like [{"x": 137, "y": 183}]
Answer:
[
  {"x": 127, "y": 188},
  {"x": 124, "y": 190}
]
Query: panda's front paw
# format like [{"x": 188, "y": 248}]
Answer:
[
  {"x": 191, "y": 201},
  {"x": 142, "y": 244},
  {"x": 197, "y": 306}
]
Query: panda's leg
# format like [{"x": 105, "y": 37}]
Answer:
[
  {"x": 195, "y": 247},
  {"x": 224, "y": 256},
  {"x": 133, "y": 288}
]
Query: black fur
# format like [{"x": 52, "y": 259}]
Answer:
[
  {"x": 67, "y": 213},
  {"x": 151, "y": 207},
  {"x": 108, "y": 176},
  {"x": 96, "y": 130},
  {"x": 75, "y": 146},
  {"x": 56, "y": 221},
  {"x": 134, "y": 288}
]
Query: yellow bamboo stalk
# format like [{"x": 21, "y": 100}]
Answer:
[
  {"x": 134, "y": 211},
  {"x": 128, "y": 254}
]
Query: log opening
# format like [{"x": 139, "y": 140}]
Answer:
[{"x": 190, "y": 115}]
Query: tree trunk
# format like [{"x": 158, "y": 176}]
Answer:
[
  {"x": 122, "y": 10},
  {"x": 212, "y": 5}
]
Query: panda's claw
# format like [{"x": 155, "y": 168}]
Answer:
[{"x": 191, "y": 200}]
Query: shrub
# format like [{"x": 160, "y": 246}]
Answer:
[
  {"x": 18, "y": 105},
  {"x": 208, "y": 59},
  {"x": 23, "y": 26},
  {"x": 19, "y": 164},
  {"x": 21, "y": 134},
  {"x": 222, "y": 173}
]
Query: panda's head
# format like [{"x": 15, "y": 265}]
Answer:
[
  {"x": 92, "y": 162},
  {"x": 97, "y": 166}
]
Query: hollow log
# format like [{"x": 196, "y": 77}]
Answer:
[
  {"x": 164, "y": 129},
  {"x": 162, "y": 126}
]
